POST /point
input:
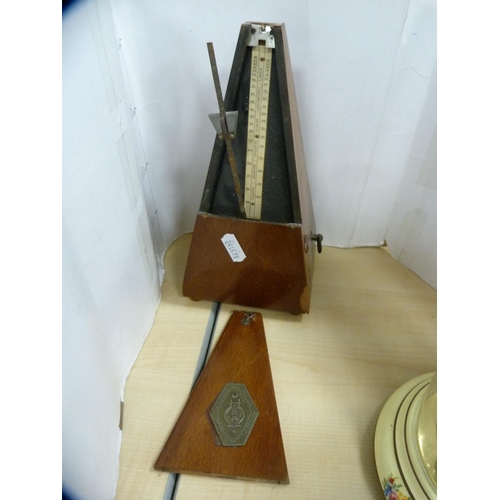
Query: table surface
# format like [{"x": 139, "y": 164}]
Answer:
[{"x": 372, "y": 327}]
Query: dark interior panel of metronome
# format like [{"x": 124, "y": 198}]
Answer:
[{"x": 276, "y": 194}]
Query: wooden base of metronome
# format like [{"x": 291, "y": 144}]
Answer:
[
  {"x": 251, "y": 263},
  {"x": 240, "y": 254},
  {"x": 230, "y": 426}
]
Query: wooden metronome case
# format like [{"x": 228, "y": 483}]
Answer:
[{"x": 277, "y": 271}]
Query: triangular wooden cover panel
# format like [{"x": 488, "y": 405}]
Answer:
[{"x": 240, "y": 356}]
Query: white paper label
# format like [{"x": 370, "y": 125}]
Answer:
[{"x": 233, "y": 248}]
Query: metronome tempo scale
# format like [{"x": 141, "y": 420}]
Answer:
[{"x": 253, "y": 245}]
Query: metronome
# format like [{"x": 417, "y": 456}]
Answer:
[
  {"x": 253, "y": 240},
  {"x": 252, "y": 245}
]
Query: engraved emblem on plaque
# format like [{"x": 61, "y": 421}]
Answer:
[{"x": 234, "y": 415}]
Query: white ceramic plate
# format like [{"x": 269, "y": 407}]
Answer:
[{"x": 400, "y": 469}]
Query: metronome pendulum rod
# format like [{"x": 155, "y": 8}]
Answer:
[{"x": 225, "y": 133}]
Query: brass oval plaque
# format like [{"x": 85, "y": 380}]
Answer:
[{"x": 234, "y": 414}]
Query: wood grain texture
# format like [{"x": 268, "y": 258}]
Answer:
[
  {"x": 308, "y": 224},
  {"x": 273, "y": 275},
  {"x": 193, "y": 447},
  {"x": 372, "y": 327},
  {"x": 159, "y": 381}
]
